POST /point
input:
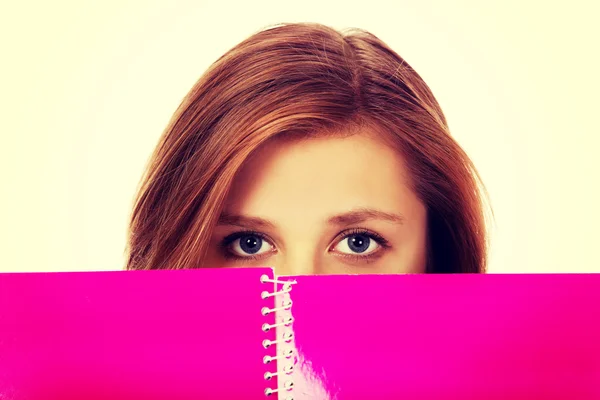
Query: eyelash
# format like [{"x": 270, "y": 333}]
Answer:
[
  {"x": 234, "y": 236},
  {"x": 341, "y": 236},
  {"x": 366, "y": 232}
]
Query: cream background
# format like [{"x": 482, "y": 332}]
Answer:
[{"x": 87, "y": 87}]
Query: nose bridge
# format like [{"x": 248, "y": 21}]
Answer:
[{"x": 299, "y": 259}]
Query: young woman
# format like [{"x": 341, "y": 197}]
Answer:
[{"x": 314, "y": 152}]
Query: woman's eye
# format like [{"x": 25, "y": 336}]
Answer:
[
  {"x": 357, "y": 244},
  {"x": 249, "y": 245}
]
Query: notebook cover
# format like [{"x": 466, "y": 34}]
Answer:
[
  {"x": 447, "y": 337},
  {"x": 152, "y": 335}
]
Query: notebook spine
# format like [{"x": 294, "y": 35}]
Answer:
[{"x": 281, "y": 380}]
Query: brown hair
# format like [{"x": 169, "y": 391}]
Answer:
[{"x": 302, "y": 79}]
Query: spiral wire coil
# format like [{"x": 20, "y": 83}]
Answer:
[{"x": 283, "y": 356}]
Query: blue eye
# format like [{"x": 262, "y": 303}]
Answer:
[
  {"x": 359, "y": 243},
  {"x": 249, "y": 245}
]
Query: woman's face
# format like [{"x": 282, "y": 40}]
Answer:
[{"x": 332, "y": 205}]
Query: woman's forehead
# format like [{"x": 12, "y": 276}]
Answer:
[{"x": 321, "y": 176}]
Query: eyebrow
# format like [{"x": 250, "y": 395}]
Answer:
[
  {"x": 348, "y": 218},
  {"x": 364, "y": 214},
  {"x": 244, "y": 221}
]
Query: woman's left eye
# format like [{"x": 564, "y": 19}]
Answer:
[{"x": 359, "y": 243}]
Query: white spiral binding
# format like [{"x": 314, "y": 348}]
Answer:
[{"x": 279, "y": 343}]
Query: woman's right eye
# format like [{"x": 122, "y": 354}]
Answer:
[{"x": 249, "y": 245}]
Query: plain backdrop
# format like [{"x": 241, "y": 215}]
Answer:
[{"x": 86, "y": 89}]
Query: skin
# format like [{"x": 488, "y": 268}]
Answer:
[{"x": 330, "y": 205}]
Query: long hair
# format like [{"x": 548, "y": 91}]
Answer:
[{"x": 307, "y": 80}]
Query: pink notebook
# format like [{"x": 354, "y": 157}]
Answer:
[
  {"x": 444, "y": 337},
  {"x": 152, "y": 335},
  {"x": 237, "y": 334}
]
